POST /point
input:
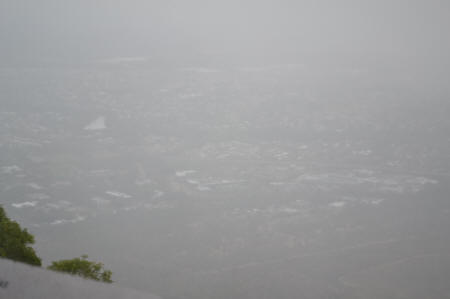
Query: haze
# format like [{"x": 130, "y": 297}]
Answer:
[
  {"x": 65, "y": 31},
  {"x": 233, "y": 149}
]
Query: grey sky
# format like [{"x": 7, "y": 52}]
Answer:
[{"x": 37, "y": 29}]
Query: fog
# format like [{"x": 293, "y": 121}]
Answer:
[
  {"x": 64, "y": 31},
  {"x": 233, "y": 149}
]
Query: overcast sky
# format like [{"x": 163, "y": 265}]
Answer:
[{"x": 32, "y": 30}]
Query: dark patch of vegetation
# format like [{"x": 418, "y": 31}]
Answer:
[{"x": 14, "y": 245}]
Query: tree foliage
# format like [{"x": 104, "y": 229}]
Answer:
[
  {"x": 14, "y": 245},
  {"x": 83, "y": 267},
  {"x": 14, "y": 241}
]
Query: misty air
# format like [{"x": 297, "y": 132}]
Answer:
[{"x": 224, "y": 149}]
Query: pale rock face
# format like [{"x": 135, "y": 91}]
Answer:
[
  {"x": 183, "y": 173},
  {"x": 118, "y": 194},
  {"x": 24, "y": 204},
  {"x": 98, "y": 124}
]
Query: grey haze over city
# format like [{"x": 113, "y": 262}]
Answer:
[{"x": 233, "y": 149}]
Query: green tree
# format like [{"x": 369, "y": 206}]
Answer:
[
  {"x": 81, "y": 266},
  {"x": 14, "y": 241}
]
